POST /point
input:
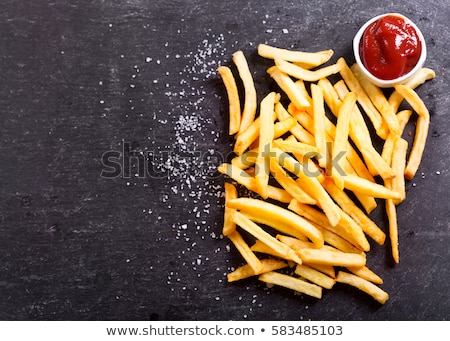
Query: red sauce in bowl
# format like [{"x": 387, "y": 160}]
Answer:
[{"x": 390, "y": 47}]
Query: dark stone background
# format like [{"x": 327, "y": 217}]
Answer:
[{"x": 137, "y": 79}]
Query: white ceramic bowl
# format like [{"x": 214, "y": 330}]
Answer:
[{"x": 391, "y": 82}]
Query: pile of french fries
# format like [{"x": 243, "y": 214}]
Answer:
[{"x": 316, "y": 177}]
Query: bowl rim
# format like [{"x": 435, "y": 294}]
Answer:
[{"x": 398, "y": 80}]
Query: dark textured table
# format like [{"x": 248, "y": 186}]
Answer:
[{"x": 92, "y": 90}]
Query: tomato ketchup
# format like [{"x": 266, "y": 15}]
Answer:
[{"x": 390, "y": 47}]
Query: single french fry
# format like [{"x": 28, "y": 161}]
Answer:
[
  {"x": 341, "y": 137},
  {"x": 369, "y": 288},
  {"x": 289, "y": 183},
  {"x": 259, "y": 246},
  {"x": 292, "y": 283},
  {"x": 365, "y": 273},
  {"x": 364, "y": 100},
  {"x": 421, "y": 133},
  {"x": 277, "y": 225},
  {"x": 304, "y": 74},
  {"x": 356, "y": 184},
  {"x": 319, "y": 124},
  {"x": 358, "y": 132},
  {"x": 283, "y": 126},
  {"x": 296, "y": 147},
  {"x": 388, "y": 147},
  {"x": 328, "y": 257},
  {"x": 277, "y": 213},
  {"x": 245, "y": 139},
  {"x": 266, "y": 133},
  {"x": 338, "y": 242},
  {"x": 233, "y": 99},
  {"x": 378, "y": 99},
  {"x": 245, "y": 251},
  {"x": 228, "y": 224},
  {"x": 288, "y": 86},
  {"x": 325, "y": 269},
  {"x": 348, "y": 206},
  {"x": 278, "y": 194},
  {"x": 393, "y": 228},
  {"x": 250, "y": 100},
  {"x": 314, "y": 276},
  {"x": 245, "y": 160},
  {"x": 398, "y": 165},
  {"x": 419, "y": 78},
  {"x": 245, "y": 271},
  {"x": 310, "y": 58},
  {"x": 376, "y": 163},
  {"x": 257, "y": 232},
  {"x": 332, "y": 98},
  {"x": 295, "y": 243},
  {"x": 237, "y": 174}
]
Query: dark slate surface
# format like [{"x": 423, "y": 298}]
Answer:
[{"x": 137, "y": 78}]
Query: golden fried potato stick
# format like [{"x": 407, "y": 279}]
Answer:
[
  {"x": 314, "y": 276},
  {"x": 348, "y": 206},
  {"x": 288, "y": 86},
  {"x": 369, "y": 288},
  {"x": 299, "y": 148},
  {"x": 249, "y": 136},
  {"x": 341, "y": 136},
  {"x": 266, "y": 133},
  {"x": 233, "y": 99},
  {"x": 283, "y": 126},
  {"x": 257, "y": 232},
  {"x": 378, "y": 99},
  {"x": 237, "y": 174},
  {"x": 245, "y": 251},
  {"x": 245, "y": 160},
  {"x": 419, "y": 78},
  {"x": 329, "y": 257},
  {"x": 311, "y": 59},
  {"x": 388, "y": 147},
  {"x": 363, "y": 99},
  {"x": 277, "y": 225},
  {"x": 397, "y": 184},
  {"x": 292, "y": 283},
  {"x": 365, "y": 273},
  {"x": 245, "y": 271},
  {"x": 276, "y": 214},
  {"x": 250, "y": 100},
  {"x": 319, "y": 124},
  {"x": 228, "y": 224},
  {"x": 278, "y": 194},
  {"x": 260, "y": 247},
  {"x": 376, "y": 164},
  {"x": 422, "y": 126},
  {"x": 393, "y": 229},
  {"x": 356, "y": 184},
  {"x": 304, "y": 74}
]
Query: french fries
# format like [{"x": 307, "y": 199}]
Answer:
[
  {"x": 364, "y": 285},
  {"x": 233, "y": 98},
  {"x": 304, "y": 170},
  {"x": 250, "y": 101}
]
